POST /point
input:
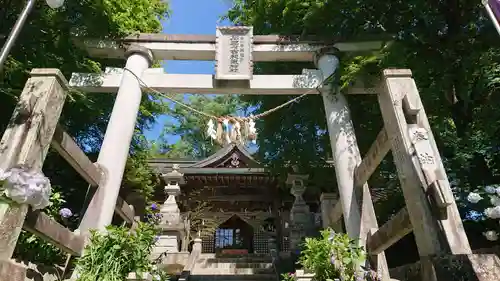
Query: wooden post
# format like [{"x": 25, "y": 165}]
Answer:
[
  {"x": 27, "y": 140},
  {"x": 420, "y": 178}
]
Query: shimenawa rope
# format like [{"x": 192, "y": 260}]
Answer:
[{"x": 258, "y": 116}]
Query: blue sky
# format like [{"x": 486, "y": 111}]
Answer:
[{"x": 190, "y": 17}]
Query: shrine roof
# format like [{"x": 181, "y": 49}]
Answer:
[{"x": 231, "y": 159}]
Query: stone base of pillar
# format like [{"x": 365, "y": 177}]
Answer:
[
  {"x": 12, "y": 271},
  {"x": 474, "y": 267}
]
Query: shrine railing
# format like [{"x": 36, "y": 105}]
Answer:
[{"x": 32, "y": 129}]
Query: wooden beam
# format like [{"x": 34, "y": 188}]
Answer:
[
  {"x": 124, "y": 210},
  {"x": 372, "y": 159},
  {"x": 51, "y": 231},
  {"x": 67, "y": 147},
  {"x": 202, "y": 47},
  {"x": 109, "y": 82},
  {"x": 390, "y": 233},
  {"x": 64, "y": 144}
]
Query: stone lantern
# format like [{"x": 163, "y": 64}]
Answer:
[
  {"x": 300, "y": 215},
  {"x": 170, "y": 209},
  {"x": 173, "y": 228}
]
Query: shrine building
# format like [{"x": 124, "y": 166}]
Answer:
[{"x": 247, "y": 206}]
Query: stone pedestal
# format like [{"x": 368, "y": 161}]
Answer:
[
  {"x": 167, "y": 243},
  {"x": 197, "y": 245},
  {"x": 170, "y": 210},
  {"x": 169, "y": 239},
  {"x": 328, "y": 217}
]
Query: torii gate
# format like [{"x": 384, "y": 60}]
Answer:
[{"x": 407, "y": 131}]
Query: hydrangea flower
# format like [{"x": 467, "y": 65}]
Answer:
[
  {"x": 493, "y": 213},
  {"x": 4, "y": 175},
  {"x": 495, "y": 200},
  {"x": 28, "y": 187},
  {"x": 65, "y": 213},
  {"x": 154, "y": 207},
  {"x": 490, "y": 189},
  {"x": 474, "y": 197},
  {"x": 491, "y": 235}
]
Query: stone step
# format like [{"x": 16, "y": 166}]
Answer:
[
  {"x": 233, "y": 277},
  {"x": 234, "y": 259},
  {"x": 232, "y": 271},
  {"x": 234, "y": 265}
]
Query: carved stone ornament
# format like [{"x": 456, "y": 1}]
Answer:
[{"x": 235, "y": 160}]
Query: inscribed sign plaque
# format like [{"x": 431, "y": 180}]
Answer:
[{"x": 233, "y": 57}]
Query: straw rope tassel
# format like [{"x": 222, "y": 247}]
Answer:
[
  {"x": 237, "y": 131},
  {"x": 219, "y": 133}
]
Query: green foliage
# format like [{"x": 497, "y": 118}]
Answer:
[
  {"x": 333, "y": 256},
  {"x": 454, "y": 58},
  {"x": 111, "y": 256},
  {"x": 35, "y": 250},
  {"x": 288, "y": 276},
  {"x": 200, "y": 224},
  {"x": 48, "y": 40},
  {"x": 138, "y": 174}
]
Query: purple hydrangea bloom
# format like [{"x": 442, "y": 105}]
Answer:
[
  {"x": 154, "y": 207},
  {"x": 65, "y": 213}
]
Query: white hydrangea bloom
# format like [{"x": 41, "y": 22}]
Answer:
[
  {"x": 474, "y": 197},
  {"x": 491, "y": 189},
  {"x": 495, "y": 200},
  {"x": 4, "y": 175},
  {"x": 27, "y": 187},
  {"x": 493, "y": 213},
  {"x": 491, "y": 235}
]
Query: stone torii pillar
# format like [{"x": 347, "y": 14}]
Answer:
[
  {"x": 357, "y": 207},
  {"x": 116, "y": 145}
]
